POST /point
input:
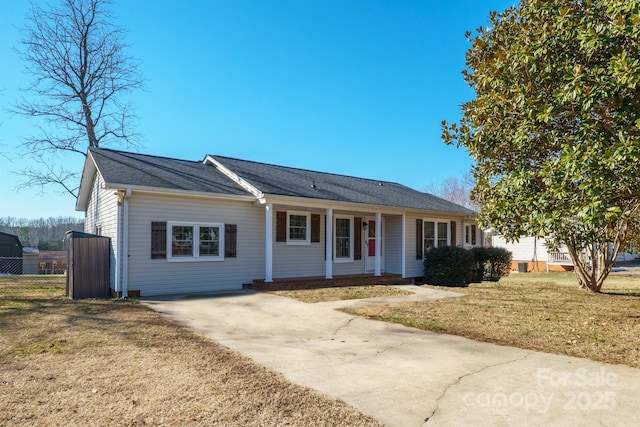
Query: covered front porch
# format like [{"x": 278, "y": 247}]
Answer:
[{"x": 330, "y": 243}]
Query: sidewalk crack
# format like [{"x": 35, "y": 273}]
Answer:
[
  {"x": 346, "y": 325},
  {"x": 460, "y": 378}
]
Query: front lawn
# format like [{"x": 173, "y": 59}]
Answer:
[
  {"x": 537, "y": 311},
  {"x": 113, "y": 362},
  {"x": 341, "y": 293}
]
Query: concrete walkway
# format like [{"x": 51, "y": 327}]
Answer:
[{"x": 407, "y": 377}]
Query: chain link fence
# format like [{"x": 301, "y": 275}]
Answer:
[
  {"x": 11, "y": 265},
  {"x": 31, "y": 265}
]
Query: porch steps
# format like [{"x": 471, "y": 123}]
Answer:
[{"x": 321, "y": 282}]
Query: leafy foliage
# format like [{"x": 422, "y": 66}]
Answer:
[
  {"x": 490, "y": 264},
  {"x": 499, "y": 263},
  {"x": 554, "y": 127},
  {"x": 447, "y": 266},
  {"x": 480, "y": 258}
]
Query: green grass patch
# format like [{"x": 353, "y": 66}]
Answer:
[
  {"x": 341, "y": 293},
  {"x": 537, "y": 311}
]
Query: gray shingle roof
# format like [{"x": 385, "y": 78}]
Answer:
[
  {"x": 119, "y": 167},
  {"x": 287, "y": 181},
  {"x": 131, "y": 169}
]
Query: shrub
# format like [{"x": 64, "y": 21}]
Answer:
[
  {"x": 480, "y": 259},
  {"x": 448, "y": 266},
  {"x": 499, "y": 263}
]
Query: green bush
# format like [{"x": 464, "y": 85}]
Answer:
[
  {"x": 480, "y": 259},
  {"x": 453, "y": 266},
  {"x": 499, "y": 263},
  {"x": 448, "y": 266}
]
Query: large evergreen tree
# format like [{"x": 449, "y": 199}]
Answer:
[{"x": 555, "y": 126}]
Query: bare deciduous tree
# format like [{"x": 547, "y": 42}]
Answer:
[
  {"x": 456, "y": 190},
  {"x": 81, "y": 75}
]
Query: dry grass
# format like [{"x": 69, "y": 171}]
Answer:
[
  {"x": 108, "y": 362},
  {"x": 543, "y": 312},
  {"x": 341, "y": 293}
]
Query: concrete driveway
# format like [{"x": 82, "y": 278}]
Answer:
[{"x": 407, "y": 377}]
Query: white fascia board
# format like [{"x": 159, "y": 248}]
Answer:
[
  {"x": 325, "y": 204},
  {"x": 88, "y": 173},
  {"x": 233, "y": 176},
  {"x": 175, "y": 192},
  {"x": 442, "y": 214},
  {"x": 350, "y": 206}
]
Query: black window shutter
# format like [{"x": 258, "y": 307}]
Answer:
[
  {"x": 281, "y": 226},
  {"x": 453, "y": 233},
  {"x": 357, "y": 237},
  {"x": 315, "y": 228},
  {"x": 230, "y": 240},
  {"x": 158, "y": 240},
  {"x": 419, "y": 242}
]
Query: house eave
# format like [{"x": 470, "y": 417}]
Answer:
[
  {"x": 177, "y": 192},
  {"x": 350, "y": 206},
  {"x": 233, "y": 176},
  {"x": 84, "y": 191}
]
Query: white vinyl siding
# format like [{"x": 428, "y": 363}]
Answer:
[
  {"x": 393, "y": 244},
  {"x": 299, "y": 260},
  {"x": 526, "y": 249},
  {"x": 102, "y": 213},
  {"x": 414, "y": 267},
  {"x": 160, "y": 276},
  {"x": 309, "y": 261}
]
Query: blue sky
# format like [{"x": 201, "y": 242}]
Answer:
[{"x": 349, "y": 87}]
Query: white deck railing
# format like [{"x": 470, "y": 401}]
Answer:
[{"x": 559, "y": 258}]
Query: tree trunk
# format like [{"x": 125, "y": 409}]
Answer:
[{"x": 593, "y": 265}]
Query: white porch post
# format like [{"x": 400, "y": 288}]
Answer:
[
  {"x": 328, "y": 240},
  {"x": 404, "y": 245},
  {"x": 378, "y": 244},
  {"x": 268, "y": 253}
]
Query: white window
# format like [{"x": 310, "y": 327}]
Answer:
[
  {"x": 195, "y": 241},
  {"x": 298, "y": 228},
  {"x": 343, "y": 239},
  {"x": 436, "y": 234}
]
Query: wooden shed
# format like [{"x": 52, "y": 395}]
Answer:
[{"x": 88, "y": 265}]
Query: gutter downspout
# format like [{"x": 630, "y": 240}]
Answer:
[
  {"x": 118, "y": 253},
  {"x": 125, "y": 244}
]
